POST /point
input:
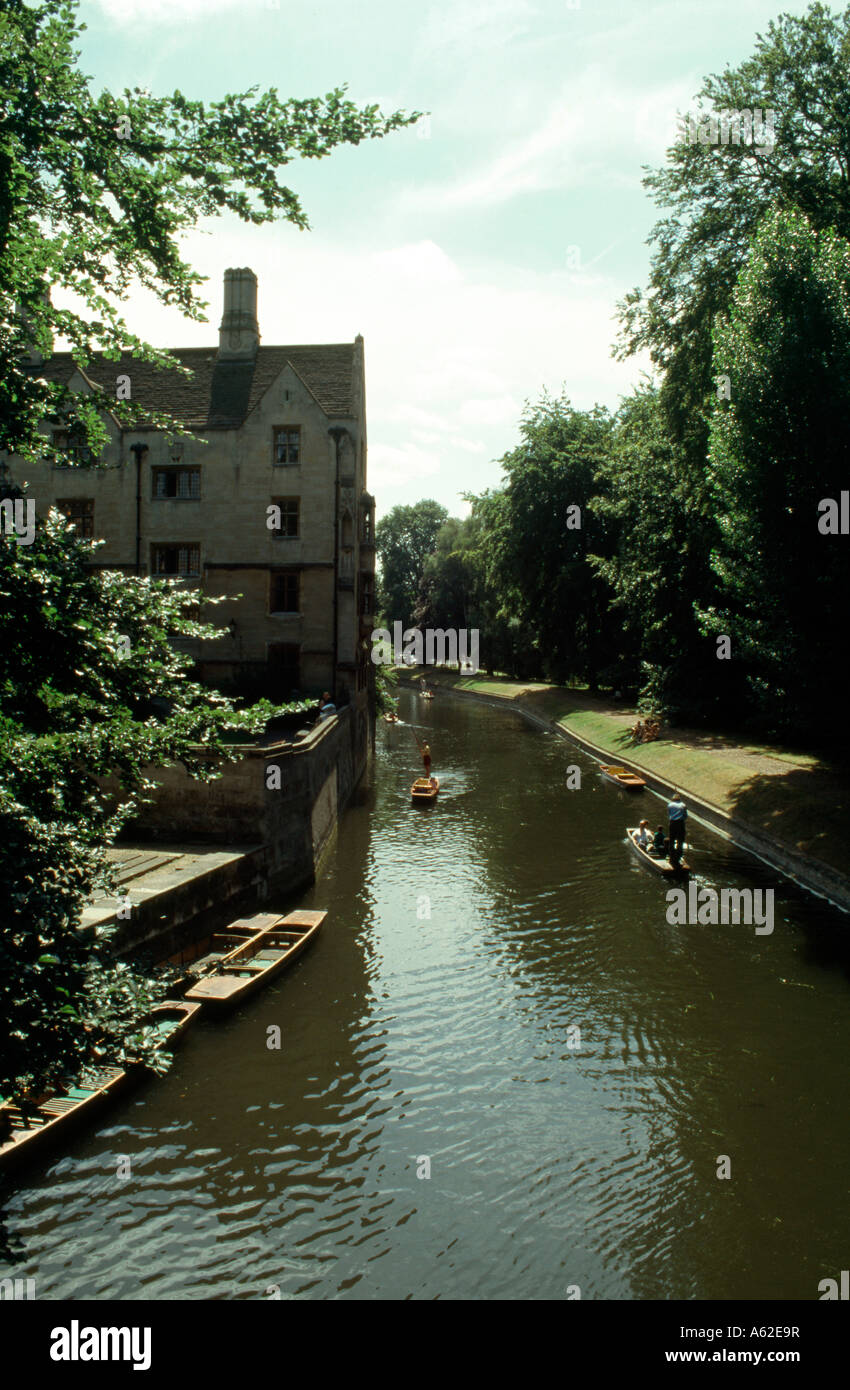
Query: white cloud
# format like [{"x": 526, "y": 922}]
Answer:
[
  {"x": 596, "y": 131},
  {"x": 453, "y": 26},
  {"x": 390, "y": 466},
  {"x": 173, "y": 12}
]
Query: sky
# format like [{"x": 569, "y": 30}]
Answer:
[{"x": 481, "y": 253}]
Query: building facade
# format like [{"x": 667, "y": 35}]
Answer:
[{"x": 265, "y": 505}]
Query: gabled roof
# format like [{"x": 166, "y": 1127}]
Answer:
[{"x": 220, "y": 395}]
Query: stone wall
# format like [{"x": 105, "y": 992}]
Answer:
[{"x": 293, "y": 823}]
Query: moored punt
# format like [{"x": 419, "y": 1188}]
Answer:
[
  {"x": 661, "y": 864},
  {"x": 391, "y": 718},
  {"x": 424, "y": 790},
  {"x": 256, "y": 962},
  {"x": 26, "y": 1134},
  {"x": 171, "y": 1018},
  {"x": 623, "y": 777},
  {"x": 205, "y": 953}
]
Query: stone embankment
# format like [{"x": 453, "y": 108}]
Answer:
[{"x": 202, "y": 853}]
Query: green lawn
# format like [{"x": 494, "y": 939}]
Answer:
[{"x": 798, "y": 798}]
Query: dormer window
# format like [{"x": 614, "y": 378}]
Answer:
[{"x": 287, "y": 445}]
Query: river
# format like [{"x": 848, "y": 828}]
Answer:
[{"x": 503, "y": 1074}]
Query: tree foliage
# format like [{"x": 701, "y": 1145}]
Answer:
[
  {"x": 778, "y": 448},
  {"x": 545, "y": 529},
  {"x": 715, "y": 195},
  {"x": 404, "y": 538}
]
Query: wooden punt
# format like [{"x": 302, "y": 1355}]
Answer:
[
  {"x": 424, "y": 790},
  {"x": 391, "y": 719},
  {"x": 200, "y": 956},
  {"x": 426, "y": 694},
  {"x": 26, "y": 1134},
  {"x": 622, "y": 777},
  {"x": 660, "y": 865},
  {"x": 256, "y": 962},
  {"x": 171, "y": 1018}
]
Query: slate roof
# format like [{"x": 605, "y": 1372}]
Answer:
[{"x": 220, "y": 395}]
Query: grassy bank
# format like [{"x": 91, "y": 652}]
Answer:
[{"x": 799, "y": 799}]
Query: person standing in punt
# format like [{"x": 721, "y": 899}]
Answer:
[{"x": 677, "y": 816}]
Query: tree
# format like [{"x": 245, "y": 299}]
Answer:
[
  {"x": 447, "y": 581},
  {"x": 95, "y": 193},
  {"x": 716, "y": 195},
  {"x": 404, "y": 538},
  {"x": 545, "y": 527},
  {"x": 659, "y": 563},
  {"x": 778, "y": 449}
]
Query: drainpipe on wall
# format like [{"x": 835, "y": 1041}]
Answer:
[
  {"x": 138, "y": 450},
  {"x": 336, "y": 432}
]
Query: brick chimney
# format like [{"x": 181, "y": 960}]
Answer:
[{"x": 239, "y": 334}]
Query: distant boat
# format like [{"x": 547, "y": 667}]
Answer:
[
  {"x": 660, "y": 864},
  {"x": 426, "y": 694},
  {"x": 239, "y": 973},
  {"x": 424, "y": 790},
  {"x": 623, "y": 777},
  {"x": 391, "y": 718}
]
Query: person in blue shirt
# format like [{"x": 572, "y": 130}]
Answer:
[
  {"x": 326, "y": 707},
  {"x": 677, "y": 817}
]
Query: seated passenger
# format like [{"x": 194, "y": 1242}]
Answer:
[
  {"x": 326, "y": 707},
  {"x": 659, "y": 842},
  {"x": 642, "y": 836}
]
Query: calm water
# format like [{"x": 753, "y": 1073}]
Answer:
[{"x": 434, "y": 1020}]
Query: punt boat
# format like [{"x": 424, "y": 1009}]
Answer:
[
  {"x": 623, "y": 777},
  {"x": 660, "y": 864},
  {"x": 239, "y": 973},
  {"x": 201, "y": 956},
  {"x": 25, "y": 1133},
  {"x": 171, "y": 1018},
  {"x": 424, "y": 790}
]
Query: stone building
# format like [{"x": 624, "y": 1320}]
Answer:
[{"x": 266, "y": 504}]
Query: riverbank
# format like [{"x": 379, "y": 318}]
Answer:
[{"x": 790, "y": 808}]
